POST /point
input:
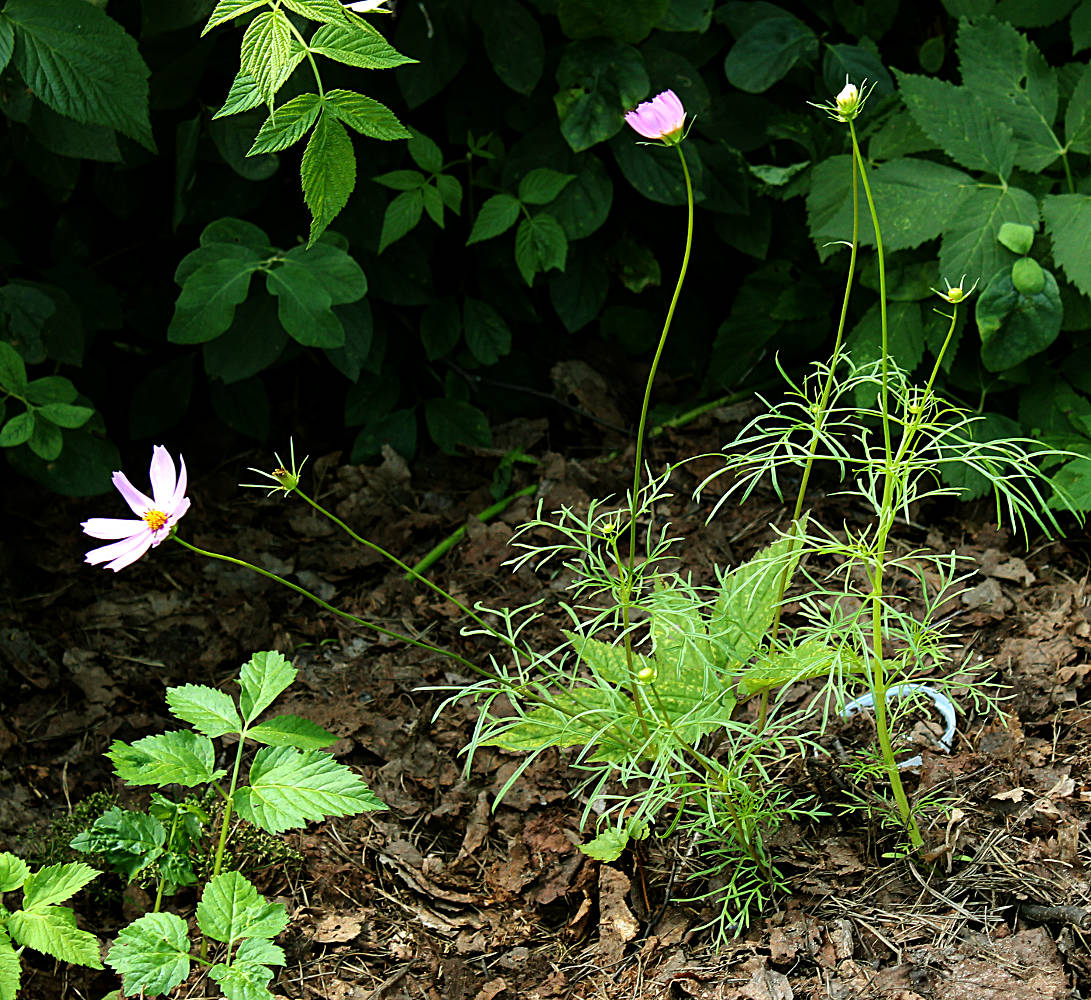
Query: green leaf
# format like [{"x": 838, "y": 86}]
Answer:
[
  {"x": 151, "y": 954},
  {"x": 129, "y": 841},
  {"x": 1077, "y": 116},
  {"x": 242, "y": 980},
  {"x": 451, "y": 423},
  {"x": 253, "y": 343},
  {"x": 365, "y": 115},
  {"x": 625, "y": 20},
  {"x": 598, "y": 81},
  {"x": 496, "y": 216},
  {"x": 433, "y": 204},
  {"x": 304, "y": 307},
  {"x": 1014, "y": 326},
  {"x": 327, "y": 11},
  {"x": 259, "y": 951},
  {"x": 355, "y": 46},
  {"x": 401, "y": 216},
  {"x": 175, "y": 758},
  {"x": 267, "y": 53},
  {"x": 401, "y": 180},
  {"x": 10, "y": 968},
  {"x": 46, "y": 441},
  {"x": 52, "y": 930},
  {"x": 426, "y": 154},
  {"x": 13, "y": 371},
  {"x": 289, "y": 788},
  {"x": 1012, "y": 80},
  {"x": 55, "y": 883},
  {"x": 440, "y": 329},
  {"x": 243, "y": 96},
  {"x": 13, "y": 871},
  {"x": 513, "y": 42},
  {"x": 905, "y": 335},
  {"x": 542, "y": 185},
  {"x": 263, "y": 677},
  {"x": 579, "y": 292},
  {"x": 1068, "y": 222},
  {"x": 234, "y": 232},
  {"x": 804, "y": 661},
  {"x": 854, "y": 62},
  {"x": 206, "y": 305},
  {"x": 292, "y": 731},
  {"x": 225, "y": 10},
  {"x": 328, "y": 172},
  {"x": 82, "y": 64},
  {"x": 343, "y": 279},
  {"x": 584, "y": 205},
  {"x": 7, "y": 42},
  {"x": 231, "y": 908},
  {"x": 209, "y": 711},
  {"x": 970, "y": 244},
  {"x": 540, "y": 244},
  {"x": 1080, "y": 26},
  {"x": 1073, "y": 484},
  {"x": 915, "y": 199},
  {"x": 487, "y": 335},
  {"x": 18, "y": 430},
  {"x": 767, "y": 52},
  {"x": 450, "y": 190},
  {"x": 655, "y": 171},
  {"x": 65, "y": 414},
  {"x": 607, "y": 846},
  {"x": 50, "y": 389},
  {"x": 956, "y": 121},
  {"x": 287, "y": 124}
]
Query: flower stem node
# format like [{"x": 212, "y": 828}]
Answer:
[
  {"x": 285, "y": 477},
  {"x": 662, "y": 118},
  {"x": 955, "y": 294}
]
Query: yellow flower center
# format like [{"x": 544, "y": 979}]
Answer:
[{"x": 155, "y": 518}]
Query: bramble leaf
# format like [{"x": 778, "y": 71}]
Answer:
[
  {"x": 287, "y": 124},
  {"x": 10, "y": 968},
  {"x": 496, "y": 216},
  {"x": 1068, "y": 221},
  {"x": 231, "y": 908},
  {"x": 487, "y": 335},
  {"x": 151, "y": 954},
  {"x": 541, "y": 185},
  {"x": 289, "y": 788},
  {"x": 55, "y": 883},
  {"x": 801, "y": 662},
  {"x": 969, "y": 244},
  {"x": 243, "y": 96},
  {"x": 328, "y": 172},
  {"x": 292, "y": 731},
  {"x": 353, "y": 46},
  {"x": 401, "y": 216},
  {"x": 365, "y": 115},
  {"x": 180, "y": 757},
  {"x": 540, "y": 244},
  {"x": 267, "y": 53},
  {"x": 13, "y": 871},
  {"x": 327, "y": 11},
  {"x": 225, "y": 10},
  {"x": 209, "y": 711},
  {"x": 262, "y": 678},
  {"x": 52, "y": 930},
  {"x": 242, "y": 980},
  {"x": 129, "y": 841}
]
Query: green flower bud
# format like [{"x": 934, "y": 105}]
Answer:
[{"x": 1028, "y": 276}]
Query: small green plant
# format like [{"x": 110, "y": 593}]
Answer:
[
  {"x": 290, "y": 782},
  {"x": 42, "y": 924}
]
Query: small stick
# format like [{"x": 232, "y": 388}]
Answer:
[{"x": 1056, "y": 914}]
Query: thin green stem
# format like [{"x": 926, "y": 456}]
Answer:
[
  {"x": 310, "y": 57},
  {"x": 1068, "y": 172}
]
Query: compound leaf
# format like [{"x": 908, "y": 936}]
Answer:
[
  {"x": 263, "y": 677},
  {"x": 328, "y": 172},
  {"x": 209, "y": 711},
  {"x": 52, "y": 930},
  {"x": 55, "y": 883},
  {"x": 180, "y": 757},
  {"x": 151, "y": 954}
]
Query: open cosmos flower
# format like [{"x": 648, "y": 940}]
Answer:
[
  {"x": 157, "y": 514},
  {"x": 660, "y": 118}
]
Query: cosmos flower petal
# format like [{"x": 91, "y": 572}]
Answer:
[
  {"x": 163, "y": 477},
  {"x": 134, "y": 546},
  {"x": 112, "y": 527},
  {"x": 663, "y": 117},
  {"x": 139, "y": 502},
  {"x": 179, "y": 494}
]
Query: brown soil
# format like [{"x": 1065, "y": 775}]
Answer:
[{"x": 442, "y": 896}]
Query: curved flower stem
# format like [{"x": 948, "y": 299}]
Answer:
[
  {"x": 876, "y": 675},
  {"x": 628, "y": 581}
]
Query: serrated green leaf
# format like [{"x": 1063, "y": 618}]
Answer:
[
  {"x": 608, "y": 661},
  {"x": 343, "y": 279},
  {"x": 209, "y": 711},
  {"x": 180, "y": 757},
  {"x": 231, "y": 908},
  {"x": 1068, "y": 222},
  {"x": 151, "y": 954},
  {"x": 541, "y": 185},
  {"x": 425, "y": 153},
  {"x": 401, "y": 216},
  {"x": 225, "y": 10},
  {"x": 487, "y": 335},
  {"x": 260, "y": 951},
  {"x": 959, "y": 124},
  {"x": 82, "y": 64},
  {"x": 292, "y": 731},
  {"x": 207, "y": 302},
  {"x": 328, "y": 172},
  {"x": 262, "y": 678},
  {"x": 65, "y": 414},
  {"x": 10, "y": 968},
  {"x": 243, "y": 96},
  {"x": 366, "y": 115},
  {"x": 266, "y": 52},
  {"x": 55, "y": 883},
  {"x": 327, "y": 11},
  {"x": 129, "y": 841},
  {"x": 905, "y": 335},
  {"x": 289, "y": 788},
  {"x": 52, "y": 930},
  {"x": 433, "y": 203},
  {"x": 13, "y": 370},
  {"x": 304, "y": 307},
  {"x": 13, "y": 871},
  {"x": 496, "y": 216},
  {"x": 401, "y": 180},
  {"x": 450, "y": 190},
  {"x": 809, "y": 659},
  {"x": 540, "y": 244},
  {"x": 1012, "y": 80},
  {"x": 242, "y": 980},
  {"x": 970, "y": 243},
  {"x": 607, "y": 846},
  {"x": 1077, "y": 116},
  {"x": 287, "y": 124},
  {"x": 7, "y": 42},
  {"x": 355, "y": 46},
  {"x": 18, "y": 430}
]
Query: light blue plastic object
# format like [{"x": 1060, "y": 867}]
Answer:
[{"x": 943, "y": 705}]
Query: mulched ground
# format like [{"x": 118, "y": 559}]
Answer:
[{"x": 443, "y": 897}]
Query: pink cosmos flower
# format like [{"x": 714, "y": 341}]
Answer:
[
  {"x": 660, "y": 118},
  {"x": 158, "y": 514}
]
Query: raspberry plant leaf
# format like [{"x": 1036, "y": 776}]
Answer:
[
  {"x": 209, "y": 711},
  {"x": 151, "y": 954},
  {"x": 174, "y": 758}
]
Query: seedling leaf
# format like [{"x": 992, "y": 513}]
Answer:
[
  {"x": 209, "y": 711},
  {"x": 151, "y": 954}
]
